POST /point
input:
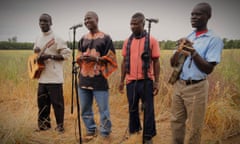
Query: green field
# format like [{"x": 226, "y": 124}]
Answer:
[{"x": 18, "y": 108}]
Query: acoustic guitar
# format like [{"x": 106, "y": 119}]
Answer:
[
  {"x": 183, "y": 53},
  {"x": 35, "y": 68}
]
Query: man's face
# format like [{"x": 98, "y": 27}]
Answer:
[
  {"x": 137, "y": 26},
  {"x": 45, "y": 23},
  {"x": 199, "y": 17},
  {"x": 90, "y": 21}
]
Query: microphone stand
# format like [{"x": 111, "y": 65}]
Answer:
[
  {"x": 145, "y": 57},
  {"x": 75, "y": 84}
]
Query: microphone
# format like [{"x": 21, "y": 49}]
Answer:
[
  {"x": 152, "y": 20},
  {"x": 76, "y": 26}
]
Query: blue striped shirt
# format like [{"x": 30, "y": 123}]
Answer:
[{"x": 209, "y": 47}]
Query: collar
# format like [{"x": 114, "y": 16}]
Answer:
[
  {"x": 198, "y": 33},
  {"x": 47, "y": 33},
  {"x": 143, "y": 34}
]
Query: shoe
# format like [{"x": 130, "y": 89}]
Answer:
[
  {"x": 105, "y": 139},
  {"x": 92, "y": 133},
  {"x": 42, "y": 129},
  {"x": 136, "y": 132},
  {"x": 148, "y": 141},
  {"x": 132, "y": 135},
  {"x": 89, "y": 136},
  {"x": 59, "y": 129},
  {"x": 105, "y": 134}
]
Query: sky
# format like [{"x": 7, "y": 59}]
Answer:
[{"x": 20, "y": 17}]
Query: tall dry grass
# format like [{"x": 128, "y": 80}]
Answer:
[
  {"x": 222, "y": 117},
  {"x": 18, "y": 103}
]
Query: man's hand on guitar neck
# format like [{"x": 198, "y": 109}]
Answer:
[
  {"x": 37, "y": 50},
  {"x": 185, "y": 46}
]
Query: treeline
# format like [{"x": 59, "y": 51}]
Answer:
[
  {"x": 165, "y": 45},
  {"x": 9, "y": 45},
  {"x": 169, "y": 44}
]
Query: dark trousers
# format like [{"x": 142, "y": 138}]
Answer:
[
  {"x": 50, "y": 94},
  {"x": 135, "y": 91}
]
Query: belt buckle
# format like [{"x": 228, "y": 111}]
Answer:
[
  {"x": 184, "y": 82},
  {"x": 189, "y": 82}
]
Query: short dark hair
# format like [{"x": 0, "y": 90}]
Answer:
[
  {"x": 206, "y": 8},
  {"x": 93, "y": 13},
  {"x": 50, "y": 18},
  {"x": 139, "y": 16}
]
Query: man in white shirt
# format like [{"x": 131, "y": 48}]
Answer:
[{"x": 50, "y": 88}]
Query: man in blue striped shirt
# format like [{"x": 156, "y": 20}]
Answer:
[{"x": 191, "y": 89}]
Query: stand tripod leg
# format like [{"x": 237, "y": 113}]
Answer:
[
  {"x": 75, "y": 84},
  {"x": 78, "y": 108}
]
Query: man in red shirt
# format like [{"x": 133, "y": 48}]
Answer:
[{"x": 132, "y": 69}]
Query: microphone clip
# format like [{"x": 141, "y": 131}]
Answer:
[
  {"x": 76, "y": 26},
  {"x": 152, "y": 20}
]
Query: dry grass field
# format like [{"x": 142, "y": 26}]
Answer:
[{"x": 18, "y": 105}]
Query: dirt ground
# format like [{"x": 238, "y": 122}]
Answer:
[{"x": 20, "y": 130}]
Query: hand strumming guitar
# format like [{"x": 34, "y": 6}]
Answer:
[{"x": 37, "y": 50}]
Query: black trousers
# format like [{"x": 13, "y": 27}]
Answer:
[
  {"x": 135, "y": 91},
  {"x": 50, "y": 94}
]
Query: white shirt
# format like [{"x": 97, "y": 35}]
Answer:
[{"x": 53, "y": 71}]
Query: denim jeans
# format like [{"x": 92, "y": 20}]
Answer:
[{"x": 86, "y": 101}]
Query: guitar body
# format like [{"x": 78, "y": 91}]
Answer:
[
  {"x": 34, "y": 68},
  {"x": 177, "y": 69},
  {"x": 180, "y": 60}
]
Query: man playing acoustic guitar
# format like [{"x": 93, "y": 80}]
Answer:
[
  {"x": 190, "y": 94},
  {"x": 51, "y": 52}
]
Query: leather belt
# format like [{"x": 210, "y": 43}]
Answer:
[{"x": 190, "y": 82}]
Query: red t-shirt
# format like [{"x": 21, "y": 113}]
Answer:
[{"x": 136, "y": 50}]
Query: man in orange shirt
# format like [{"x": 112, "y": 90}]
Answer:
[
  {"x": 132, "y": 69},
  {"x": 97, "y": 60}
]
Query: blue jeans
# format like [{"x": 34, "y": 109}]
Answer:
[{"x": 86, "y": 101}]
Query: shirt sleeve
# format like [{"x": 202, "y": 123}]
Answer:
[
  {"x": 155, "y": 48},
  {"x": 63, "y": 48},
  {"x": 214, "y": 51},
  {"x": 124, "y": 48}
]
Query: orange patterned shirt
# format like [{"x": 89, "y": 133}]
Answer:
[{"x": 94, "y": 73}]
